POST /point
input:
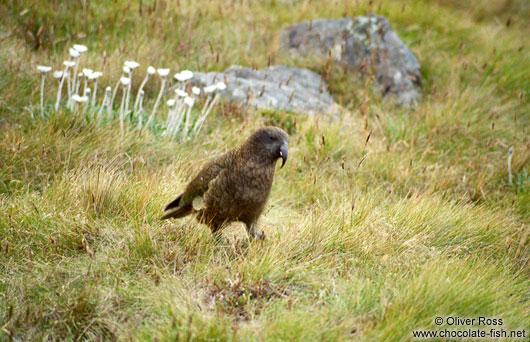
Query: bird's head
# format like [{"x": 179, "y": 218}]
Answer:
[{"x": 270, "y": 143}]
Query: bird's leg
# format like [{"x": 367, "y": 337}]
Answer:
[{"x": 251, "y": 229}]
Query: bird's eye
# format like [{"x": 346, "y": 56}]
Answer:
[{"x": 271, "y": 137}]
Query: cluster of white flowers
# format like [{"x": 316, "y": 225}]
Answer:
[
  {"x": 181, "y": 104},
  {"x": 180, "y": 120}
]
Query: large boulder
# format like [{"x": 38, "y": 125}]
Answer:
[
  {"x": 276, "y": 87},
  {"x": 366, "y": 43}
]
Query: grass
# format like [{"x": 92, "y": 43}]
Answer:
[{"x": 382, "y": 219}]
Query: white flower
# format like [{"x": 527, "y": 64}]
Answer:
[
  {"x": 132, "y": 64},
  {"x": 184, "y": 75},
  {"x": 221, "y": 85},
  {"x": 125, "y": 80},
  {"x": 108, "y": 90},
  {"x": 78, "y": 98},
  {"x": 210, "y": 89},
  {"x": 95, "y": 75},
  {"x": 126, "y": 69},
  {"x": 43, "y": 69},
  {"x": 87, "y": 72},
  {"x": 74, "y": 53},
  {"x": 151, "y": 70},
  {"x": 171, "y": 103},
  {"x": 69, "y": 63},
  {"x": 163, "y": 72},
  {"x": 196, "y": 90},
  {"x": 57, "y": 74},
  {"x": 80, "y": 48},
  {"x": 189, "y": 101},
  {"x": 181, "y": 93}
]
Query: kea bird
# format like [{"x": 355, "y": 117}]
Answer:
[{"x": 234, "y": 186}]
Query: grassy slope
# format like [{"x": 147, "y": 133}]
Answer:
[{"x": 425, "y": 226}]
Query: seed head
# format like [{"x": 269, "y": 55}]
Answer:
[
  {"x": 189, "y": 101},
  {"x": 131, "y": 64},
  {"x": 74, "y": 53},
  {"x": 95, "y": 75},
  {"x": 163, "y": 72},
  {"x": 125, "y": 81},
  {"x": 43, "y": 69},
  {"x": 80, "y": 48},
  {"x": 181, "y": 93},
  {"x": 87, "y": 72},
  {"x": 210, "y": 89},
  {"x": 184, "y": 75},
  {"x": 80, "y": 99}
]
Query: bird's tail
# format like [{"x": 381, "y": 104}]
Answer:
[
  {"x": 174, "y": 204},
  {"x": 176, "y": 210}
]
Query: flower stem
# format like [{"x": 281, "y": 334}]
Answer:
[
  {"x": 162, "y": 86},
  {"x": 60, "y": 90},
  {"x": 139, "y": 91},
  {"x": 42, "y": 95},
  {"x": 124, "y": 94},
  {"x": 95, "y": 91}
]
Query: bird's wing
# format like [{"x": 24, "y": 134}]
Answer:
[{"x": 197, "y": 187}]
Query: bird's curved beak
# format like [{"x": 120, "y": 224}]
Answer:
[{"x": 283, "y": 153}]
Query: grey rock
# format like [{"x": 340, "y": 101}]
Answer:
[
  {"x": 276, "y": 87},
  {"x": 366, "y": 43}
]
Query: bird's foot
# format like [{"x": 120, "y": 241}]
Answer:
[{"x": 258, "y": 236}]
